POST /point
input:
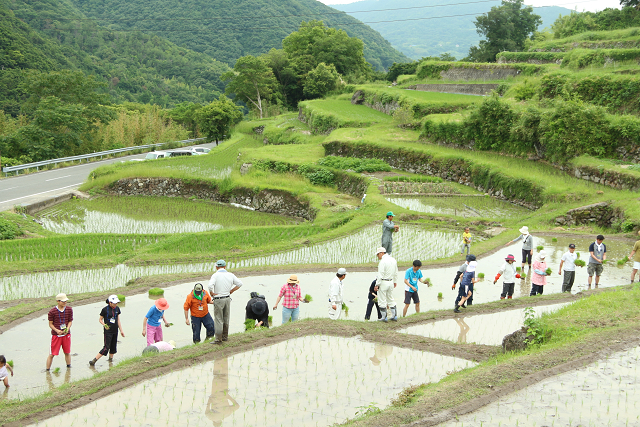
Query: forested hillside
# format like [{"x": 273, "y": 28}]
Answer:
[
  {"x": 228, "y": 29},
  {"x": 418, "y": 38}
]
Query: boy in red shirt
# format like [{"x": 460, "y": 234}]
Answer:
[{"x": 60, "y": 320}]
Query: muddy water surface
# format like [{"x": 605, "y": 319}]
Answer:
[
  {"x": 465, "y": 207},
  {"x": 606, "y": 393},
  {"x": 310, "y": 381},
  {"x": 487, "y": 329}
]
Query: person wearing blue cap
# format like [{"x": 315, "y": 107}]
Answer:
[
  {"x": 388, "y": 228},
  {"x": 221, "y": 285}
]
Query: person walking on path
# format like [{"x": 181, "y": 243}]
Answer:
[
  {"x": 539, "y": 274},
  {"x": 197, "y": 303},
  {"x": 509, "y": 276},
  {"x": 412, "y": 276},
  {"x": 60, "y": 321},
  {"x": 569, "y": 261},
  {"x": 110, "y": 321},
  {"x": 372, "y": 300},
  {"x": 388, "y": 228},
  {"x": 635, "y": 256},
  {"x": 221, "y": 285},
  {"x": 466, "y": 241},
  {"x": 151, "y": 327},
  {"x": 4, "y": 375},
  {"x": 527, "y": 246},
  {"x": 597, "y": 257},
  {"x": 292, "y": 295},
  {"x": 459, "y": 274},
  {"x": 335, "y": 294},
  {"x": 386, "y": 281},
  {"x": 466, "y": 286},
  {"x": 258, "y": 310}
]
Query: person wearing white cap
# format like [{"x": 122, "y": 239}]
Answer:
[
  {"x": 466, "y": 284},
  {"x": 539, "y": 276},
  {"x": 110, "y": 321},
  {"x": 527, "y": 246},
  {"x": 387, "y": 276},
  {"x": 60, "y": 320},
  {"x": 221, "y": 285},
  {"x": 335, "y": 294}
]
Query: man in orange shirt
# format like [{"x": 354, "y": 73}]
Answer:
[{"x": 197, "y": 302}]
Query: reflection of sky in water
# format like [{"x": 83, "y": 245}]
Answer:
[
  {"x": 357, "y": 248},
  {"x": 481, "y": 206},
  {"x": 309, "y": 381},
  {"x": 605, "y": 393},
  {"x": 487, "y": 329},
  {"x": 88, "y": 221}
]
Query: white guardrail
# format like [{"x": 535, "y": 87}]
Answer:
[{"x": 37, "y": 165}]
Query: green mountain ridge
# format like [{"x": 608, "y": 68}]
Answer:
[
  {"x": 419, "y": 31},
  {"x": 228, "y": 29}
]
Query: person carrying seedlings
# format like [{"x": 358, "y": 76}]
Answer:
[
  {"x": 60, "y": 320},
  {"x": 110, "y": 321},
  {"x": 151, "y": 327},
  {"x": 509, "y": 276},
  {"x": 372, "y": 300},
  {"x": 197, "y": 303},
  {"x": 466, "y": 241},
  {"x": 459, "y": 274},
  {"x": 388, "y": 228},
  {"x": 597, "y": 256},
  {"x": 258, "y": 310},
  {"x": 635, "y": 256},
  {"x": 466, "y": 285},
  {"x": 539, "y": 274},
  {"x": 387, "y": 276},
  {"x": 292, "y": 298},
  {"x": 4, "y": 375},
  {"x": 221, "y": 285},
  {"x": 412, "y": 276},
  {"x": 335, "y": 294},
  {"x": 569, "y": 261},
  {"x": 527, "y": 246}
]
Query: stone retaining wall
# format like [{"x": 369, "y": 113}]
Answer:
[
  {"x": 602, "y": 214},
  {"x": 469, "y": 89},
  {"x": 467, "y": 74},
  {"x": 271, "y": 201},
  {"x": 619, "y": 181}
]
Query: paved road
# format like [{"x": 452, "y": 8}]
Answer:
[{"x": 26, "y": 189}]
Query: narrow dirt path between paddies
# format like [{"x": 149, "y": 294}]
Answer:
[{"x": 477, "y": 385}]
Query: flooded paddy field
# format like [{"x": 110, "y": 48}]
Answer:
[
  {"x": 150, "y": 215},
  {"x": 309, "y": 381},
  {"x": 358, "y": 248},
  {"x": 605, "y": 393},
  {"x": 487, "y": 329},
  {"x": 465, "y": 207}
]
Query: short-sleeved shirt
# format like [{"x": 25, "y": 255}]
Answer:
[
  {"x": 412, "y": 277},
  {"x": 636, "y": 247},
  {"x": 60, "y": 317},
  {"x": 569, "y": 261},
  {"x": 466, "y": 238},
  {"x": 291, "y": 294},
  {"x": 3, "y": 372},
  {"x": 110, "y": 316},
  {"x": 597, "y": 253},
  {"x": 153, "y": 316},
  {"x": 199, "y": 308},
  {"x": 222, "y": 282}
]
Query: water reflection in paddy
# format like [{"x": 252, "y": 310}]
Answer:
[
  {"x": 473, "y": 206},
  {"x": 309, "y": 381}
]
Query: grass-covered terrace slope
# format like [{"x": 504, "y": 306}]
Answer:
[
  {"x": 322, "y": 116},
  {"x": 615, "y": 39}
]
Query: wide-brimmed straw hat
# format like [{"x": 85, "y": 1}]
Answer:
[
  {"x": 293, "y": 279},
  {"x": 524, "y": 230},
  {"x": 162, "y": 304}
]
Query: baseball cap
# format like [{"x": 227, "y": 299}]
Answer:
[
  {"x": 198, "y": 288},
  {"x": 471, "y": 257},
  {"x": 221, "y": 263},
  {"x": 572, "y": 246},
  {"x": 342, "y": 271},
  {"x": 113, "y": 299},
  {"x": 381, "y": 249},
  {"x": 62, "y": 297},
  {"x": 390, "y": 213}
]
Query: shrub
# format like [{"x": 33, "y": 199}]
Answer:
[
  {"x": 8, "y": 230},
  {"x": 490, "y": 123}
]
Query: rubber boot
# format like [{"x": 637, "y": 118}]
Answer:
[
  {"x": 384, "y": 315},
  {"x": 394, "y": 314},
  {"x": 510, "y": 297},
  {"x": 501, "y": 297},
  {"x": 225, "y": 332}
]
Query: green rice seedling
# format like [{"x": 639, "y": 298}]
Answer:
[
  {"x": 345, "y": 307},
  {"x": 548, "y": 271},
  {"x": 249, "y": 324},
  {"x": 539, "y": 248},
  {"x": 308, "y": 298},
  {"x": 56, "y": 371},
  {"x": 623, "y": 261},
  {"x": 121, "y": 297},
  {"x": 428, "y": 282},
  {"x": 270, "y": 319},
  {"x": 154, "y": 292},
  {"x": 10, "y": 363},
  {"x": 523, "y": 276},
  {"x": 554, "y": 239},
  {"x": 577, "y": 254},
  {"x": 518, "y": 269},
  {"x": 439, "y": 295},
  {"x": 480, "y": 275}
]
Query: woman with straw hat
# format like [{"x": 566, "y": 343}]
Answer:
[
  {"x": 527, "y": 246},
  {"x": 292, "y": 298}
]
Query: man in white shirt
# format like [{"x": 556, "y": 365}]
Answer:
[
  {"x": 335, "y": 294},
  {"x": 387, "y": 275},
  {"x": 569, "y": 262},
  {"x": 221, "y": 285}
]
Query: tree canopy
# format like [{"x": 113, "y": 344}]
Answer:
[
  {"x": 215, "y": 120},
  {"x": 251, "y": 81}
]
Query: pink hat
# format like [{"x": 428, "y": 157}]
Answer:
[
  {"x": 510, "y": 258},
  {"x": 162, "y": 304}
]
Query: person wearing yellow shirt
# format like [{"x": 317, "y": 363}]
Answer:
[{"x": 466, "y": 241}]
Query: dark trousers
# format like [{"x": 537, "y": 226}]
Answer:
[
  {"x": 507, "y": 289},
  {"x": 536, "y": 290},
  {"x": 196, "y": 325},
  {"x": 461, "y": 294},
  {"x": 526, "y": 256},
  {"x": 567, "y": 280},
  {"x": 370, "y": 304}
]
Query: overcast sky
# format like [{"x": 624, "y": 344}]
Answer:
[{"x": 591, "y": 5}]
